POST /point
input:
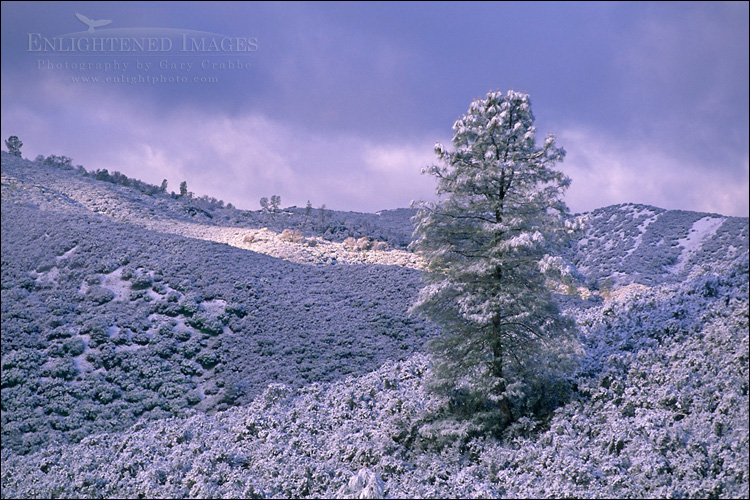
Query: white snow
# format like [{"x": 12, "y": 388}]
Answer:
[
  {"x": 48, "y": 278},
  {"x": 702, "y": 230},
  {"x": 642, "y": 227},
  {"x": 268, "y": 242},
  {"x": 68, "y": 254},
  {"x": 113, "y": 281}
]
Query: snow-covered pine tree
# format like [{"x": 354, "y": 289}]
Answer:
[{"x": 488, "y": 241}]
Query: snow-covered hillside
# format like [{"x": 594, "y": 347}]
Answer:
[
  {"x": 156, "y": 346},
  {"x": 641, "y": 244},
  {"x": 146, "y": 313}
]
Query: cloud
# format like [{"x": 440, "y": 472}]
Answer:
[
  {"x": 243, "y": 158},
  {"x": 341, "y": 104},
  {"x": 399, "y": 167},
  {"x": 684, "y": 79},
  {"x": 606, "y": 170},
  {"x": 235, "y": 158},
  {"x": 240, "y": 158}
]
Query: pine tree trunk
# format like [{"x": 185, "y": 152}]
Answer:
[{"x": 497, "y": 372}]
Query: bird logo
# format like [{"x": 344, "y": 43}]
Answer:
[{"x": 91, "y": 23}]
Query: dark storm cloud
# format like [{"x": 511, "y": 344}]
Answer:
[{"x": 341, "y": 103}]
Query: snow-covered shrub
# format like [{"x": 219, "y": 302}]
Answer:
[
  {"x": 100, "y": 295},
  {"x": 168, "y": 308},
  {"x": 141, "y": 281},
  {"x": 65, "y": 369},
  {"x": 97, "y": 330},
  {"x": 363, "y": 484},
  {"x": 127, "y": 273},
  {"x": 93, "y": 280},
  {"x": 74, "y": 347},
  {"x": 12, "y": 377},
  {"x": 207, "y": 359},
  {"x": 183, "y": 334},
  {"x": 142, "y": 338},
  {"x": 206, "y": 323},
  {"x": 190, "y": 304},
  {"x": 165, "y": 348},
  {"x": 193, "y": 398},
  {"x": 59, "y": 162},
  {"x": 190, "y": 348},
  {"x": 292, "y": 236}
]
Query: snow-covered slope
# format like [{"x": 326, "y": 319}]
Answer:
[
  {"x": 647, "y": 245},
  {"x": 135, "y": 310},
  {"x": 163, "y": 347}
]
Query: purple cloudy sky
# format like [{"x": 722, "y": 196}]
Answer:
[{"x": 341, "y": 103}]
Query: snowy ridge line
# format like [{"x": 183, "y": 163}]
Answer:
[
  {"x": 618, "y": 248},
  {"x": 133, "y": 206},
  {"x": 100, "y": 201}
]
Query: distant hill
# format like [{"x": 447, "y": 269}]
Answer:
[
  {"x": 163, "y": 346},
  {"x": 642, "y": 244}
]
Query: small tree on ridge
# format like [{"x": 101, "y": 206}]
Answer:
[{"x": 13, "y": 143}]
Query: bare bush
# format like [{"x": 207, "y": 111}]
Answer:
[
  {"x": 292, "y": 236},
  {"x": 350, "y": 244},
  {"x": 364, "y": 243}
]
